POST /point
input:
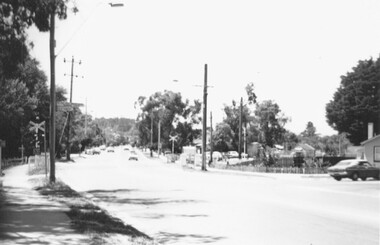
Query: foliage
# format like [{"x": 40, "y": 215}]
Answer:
[
  {"x": 357, "y": 101},
  {"x": 232, "y": 119},
  {"x": 222, "y": 137},
  {"x": 176, "y": 117},
  {"x": 116, "y": 131},
  {"x": 271, "y": 123},
  {"x": 24, "y": 93}
]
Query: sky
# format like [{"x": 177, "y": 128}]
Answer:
[{"x": 294, "y": 51}]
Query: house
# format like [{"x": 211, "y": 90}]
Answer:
[
  {"x": 372, "y": 150},
  {"x": 306, "y": 149}
]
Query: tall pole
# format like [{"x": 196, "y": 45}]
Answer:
[
  {"x": 211, "y": 142},
  {"x": 159, "y": 136},
  {"x": 85, "y": 122},
  {"x": 240, "y": 126},
  {"x": 204, "y": 121},
  {"x": 151, "y": 130},
  {"x": 45, "y": 150},
  {"x": 68, "y": 148},
  {"x": 245, "y": 138},
  {"x": 52, "y": 97},
  {"x": 151, "y": 134}
]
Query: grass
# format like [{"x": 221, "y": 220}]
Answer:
[{"x": 87, "y": 217}]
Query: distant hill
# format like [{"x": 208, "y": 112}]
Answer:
[
  {"x": 117, "y": 130},
  {"x": 123, "y": 125}
]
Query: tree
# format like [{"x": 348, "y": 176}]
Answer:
[
  {"x": 223, "y": 137},
  {"x": 310, "y": 130},
  {"x": 23, "y": 85},
  {"x": 176, "y": 117},
  {"x": 310, "y": 137},
  {"x": 357, "y": 102},
  {"x": 271, "y": 122}
]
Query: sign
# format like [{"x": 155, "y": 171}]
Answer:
[
  {"x": 2, "y": 143},
  {"x": 37, "y": 126},
  {"x": 36, "y": 151}
]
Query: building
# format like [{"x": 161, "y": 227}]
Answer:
[
  {"x": 372, "y": 150},
  {"x": 307, "y": 150}
]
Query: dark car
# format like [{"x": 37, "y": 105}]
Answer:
[{"x": 354, "y": 169}]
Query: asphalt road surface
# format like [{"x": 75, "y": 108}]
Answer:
[{"x": 177, "y": 205}]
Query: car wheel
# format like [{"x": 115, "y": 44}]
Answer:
[
  {"x": 338, "y": 178},
  {"x": 363, "y": 178},
  {"x": 355, "y": 176}
]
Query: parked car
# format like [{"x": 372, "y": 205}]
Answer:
[
  {"x": 110, "y": 149},
  {"x": 96, "y": 151},
  {"x": 216, "y": 156},
  {"x": 232, "y": 154},
  {"x": 88, "y": 151},
  {"x": 354, "y": 169}
]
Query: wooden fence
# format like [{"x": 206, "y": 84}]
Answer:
[{"x": 6, "y": 163}]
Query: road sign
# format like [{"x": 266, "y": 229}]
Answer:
[
  {"x": 37, "y": 151},
  {"x": 173, "y": 138},
  {"x": 37, "y": 126}
]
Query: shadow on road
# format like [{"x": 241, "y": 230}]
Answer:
[
  {"x": 164, "y": 237},
  {"x": 119, "y": 196}
]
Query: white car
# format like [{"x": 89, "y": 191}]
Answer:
[
  {"x": 133, "y": 156},
  {"x": 216, "y": 156}
]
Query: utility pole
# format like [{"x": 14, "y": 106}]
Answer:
[
  {"x": 240, "y": 126},
  {"x": 211, "y": 142},
  {"x": 68, "y": 147},
  {"x": 245, "y": 137},
  {"x": 151, "y": 134},
  {"x": 85, "y": 122},
  {"x": 52, "y": 96},
  {"x": 159, "y": 136},
  {"x": 204, "y": 121}
]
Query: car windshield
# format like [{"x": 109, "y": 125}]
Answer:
[{"x": 345, "y": 163}]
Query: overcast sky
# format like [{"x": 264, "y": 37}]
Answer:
[{"x": 294, "y": 51}]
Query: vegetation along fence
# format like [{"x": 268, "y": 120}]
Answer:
[{"x": 264, "y": 169}]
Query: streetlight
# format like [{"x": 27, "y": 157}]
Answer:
[{"x": 52, "y": 89}]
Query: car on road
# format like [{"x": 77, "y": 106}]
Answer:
[
  {"x": 216, "y": 156},
  {"x": 133, "y": 156},
  {"x": 110, "y": 149},
  {"x": 92, "y": 151},
  {"x": 354, "y": 169},
  {"x": 96, "y": 151}
]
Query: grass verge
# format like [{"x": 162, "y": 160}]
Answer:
[{"x": 87, "y": 217}]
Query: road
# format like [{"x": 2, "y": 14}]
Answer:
[{"x": 177, "y": 205}]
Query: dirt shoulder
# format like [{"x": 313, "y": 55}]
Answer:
[{"x": 86, "y": 217}]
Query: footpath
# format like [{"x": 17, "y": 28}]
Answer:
[{"x": 26, "y": 217}]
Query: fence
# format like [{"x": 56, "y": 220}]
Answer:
[
  {"x": 264, "y": 169},
  {"x": 7, "y": 163}
]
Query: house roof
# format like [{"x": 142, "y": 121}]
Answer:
[
  {"x": 371, "y": 139},
  {"x": 306, "y": 147}
]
